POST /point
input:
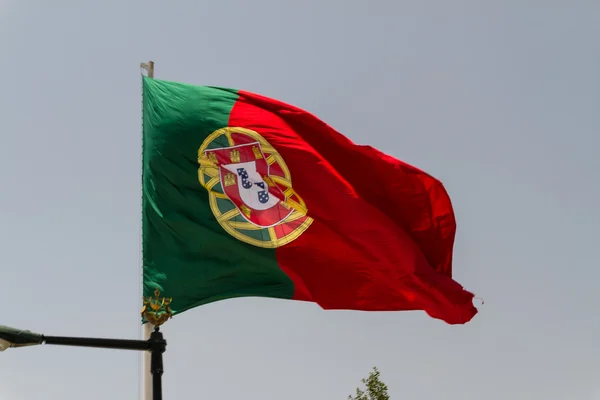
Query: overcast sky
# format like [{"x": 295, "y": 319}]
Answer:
[{"x": 498, "y": 99}]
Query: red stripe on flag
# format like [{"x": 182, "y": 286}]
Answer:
[{"x": 383, "y": 230}]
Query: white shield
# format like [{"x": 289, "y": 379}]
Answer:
[{"x": 253, "y": 194}]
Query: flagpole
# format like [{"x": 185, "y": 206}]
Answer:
[{"x": 147, "y": 328}]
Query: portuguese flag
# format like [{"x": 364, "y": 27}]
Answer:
[{"x": 244, "y": 196}]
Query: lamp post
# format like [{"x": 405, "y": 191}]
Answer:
[{"x": 156, "y": 310}]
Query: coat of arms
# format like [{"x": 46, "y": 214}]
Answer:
[{"x": 250, "y": 188}]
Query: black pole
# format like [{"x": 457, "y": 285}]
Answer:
[
  {"x": 158, "y": 345},
  {"x": 119, "y": 344}
]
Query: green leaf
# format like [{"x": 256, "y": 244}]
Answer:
[{"x": 374, "y": 389}]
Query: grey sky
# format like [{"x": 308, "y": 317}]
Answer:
[{"x": 497, "y": 99}]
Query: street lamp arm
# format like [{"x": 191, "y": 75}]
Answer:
[
  {"x": 11, "y": 337},
  {"x": 120, "y": 344}
]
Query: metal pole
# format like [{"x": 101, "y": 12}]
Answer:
[
  {"x": 150, "y": 69},
  {"x": 147, "y": 327},
  {"x": 120, "y": 344},
  {"x": 158, "y": 346},
  {"x": 155, "y": 346}
]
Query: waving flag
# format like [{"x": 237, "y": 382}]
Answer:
[{"x": 248, "y": 196}]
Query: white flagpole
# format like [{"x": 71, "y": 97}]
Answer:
[{"x": 147, "y": 328}]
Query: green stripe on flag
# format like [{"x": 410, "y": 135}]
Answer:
[{"x": 186, "y": 254}]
